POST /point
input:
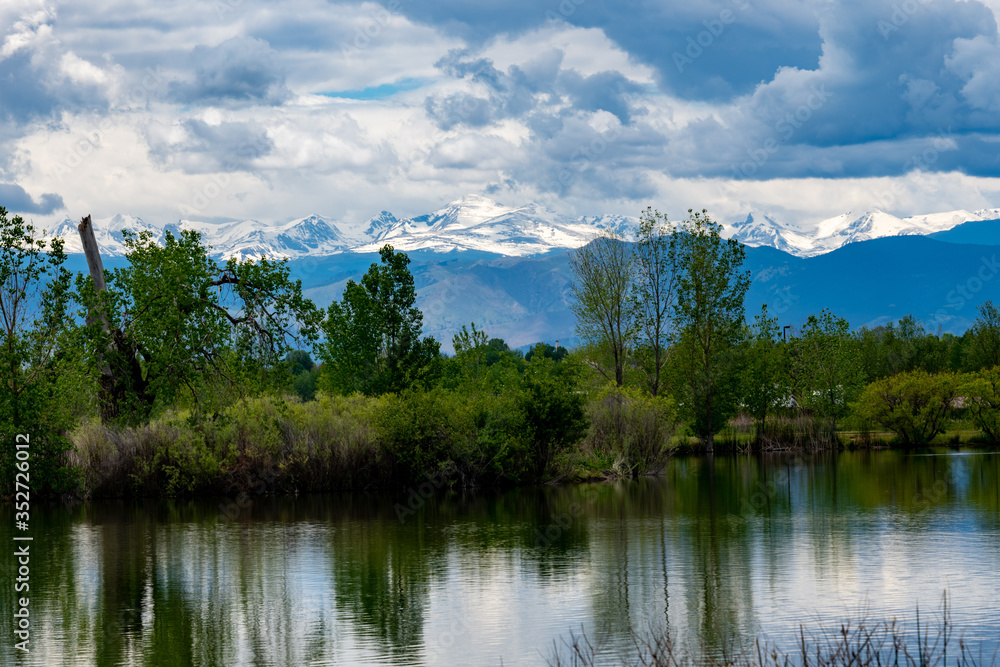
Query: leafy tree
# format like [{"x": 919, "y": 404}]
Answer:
[
  {"x": 653, "y": 295},
  {"x": 35, "y": 349},
  {"x": 826, "y": 369},
  {"x": 983, "y": 349},
  {"x": 981, "y": 392},
  {"x": 915, "y": 405},
  {"x": 373, "y": 342},
  {"x": 603, "y": 283},
  {"x": 548, "y": 351},
  {"x": 553, "y": 410},
  {"x": 470, "y": 352},
  {"x": 764, "y": 375},
  {"x": 709, "y": 319},
  {"x": 192, "y": 325}
]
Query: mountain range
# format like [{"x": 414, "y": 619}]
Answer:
[
  {"x": 480, "y": 224},
  {"x": 507, "y": 269}
]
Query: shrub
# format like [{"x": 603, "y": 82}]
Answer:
[
  {"x": 914, "y": 405},
  {"x": 981, "y": 396},
  {"x": 631, "y": 430}
]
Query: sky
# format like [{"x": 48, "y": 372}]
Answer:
[{"x": 230, "y": 109}]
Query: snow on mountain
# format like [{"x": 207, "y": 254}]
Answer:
[
  {"x": 850, "y": 227},
  {"x": 480, "y": 224},
  {"x": 107, "y": 231}
]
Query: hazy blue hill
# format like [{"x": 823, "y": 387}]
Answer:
[
  {"x": 977, "y": 232},
  {"x": 875, "y": 281},
  {"x": 526, "y": 299}
]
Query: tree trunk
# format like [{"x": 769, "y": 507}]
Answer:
[{"x": 121, "y": 375}]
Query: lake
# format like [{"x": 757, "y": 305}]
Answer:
[{"x": 721, "y": 550}]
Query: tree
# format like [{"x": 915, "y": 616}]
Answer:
[
  {"x": 653, "y": 295},
  {"x": 603, "y": 280},
  {"x": 981, "y": 392},
  {"x": 373, "y": 342},
  {"x": 181, "y": 322},
  {"x": 35, "y": 327},
  {"x": 764, "y": 376},
  {"x": 826, "y": 368},
  {"x": 708, "y": 316},
  {"x": 983, "y": 349},
  {"x": 913, "y": 404}
]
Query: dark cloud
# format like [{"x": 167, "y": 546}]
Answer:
[
  {"x": 23, "y": 93},
  {"x": 208, "y": 148},
  {"x": 520, "y": 91},
  {"x": 239, "y": 70},
  {"x": 15, "y": 199},
  {"x": 736, "y": 44}
]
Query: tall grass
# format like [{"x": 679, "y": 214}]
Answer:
[{"x": 853, "y": 644}]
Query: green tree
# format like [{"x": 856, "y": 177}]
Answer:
[
  {"x": 826, "y": 368},
  {"x": 981, "y": 392},
  {"x": 983, "y": 349},
  {"x": 914, "y": 405},
  {"x": 653, "y": 294},
  {"x": 708, "y": 316},
  {"x": 195, "y": 325},
  {"x": 373, "y": 342},
  {"x": 35, "y": 348},
  {"x": 603, "y": 283},
  {"x": 764, "y": 374}
]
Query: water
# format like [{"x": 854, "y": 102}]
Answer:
[{"x": 721, "y": 551}]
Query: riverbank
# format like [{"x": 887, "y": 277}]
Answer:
[{"x": 353, "y": 443}]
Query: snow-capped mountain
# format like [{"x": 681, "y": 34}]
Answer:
[
  {"x": 478, "y": 223},
  {"x": 481, "y": 224},
  {"x": 108, "y": 232},
  {"x": 832, "y": 233}
]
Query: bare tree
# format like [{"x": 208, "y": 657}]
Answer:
[
  {"x": 653, "y": 296},
  {"x": 604, "y": 273}
]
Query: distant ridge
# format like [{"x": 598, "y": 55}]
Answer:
[{"x": 477, "y": 223}]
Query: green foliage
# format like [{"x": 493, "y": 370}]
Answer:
[
  {"x": 764, "y": 382},
  {"x": 903, "y": 346},
  {"x": 826, "y": 370},
  {"x": 983, "y": 346},
  {"x": 631, "y": 431},
  {"x": 373, "y": 342},
  {"x": 981, "y": 396},
  {"x": 914, "y": 405},
  {"x": 709, "y": 318},
  {"x": 657, "y": 274},
  {"x": 181, "y": 324},
  {"x": 548, "y": 351},
  {"x": 604, "y": 274},
  {"x": 38, "y": 360},
  {"x": 553, "y": 411}
]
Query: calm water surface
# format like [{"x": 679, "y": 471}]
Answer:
[{"x": 720, "y": 550}]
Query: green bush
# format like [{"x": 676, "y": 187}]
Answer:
[
  {"x": 913, "y": 405},
  {"x": 981, "y": 398},
  {"x": 631, "y": 430}
]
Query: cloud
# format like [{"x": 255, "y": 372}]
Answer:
[
  {"x": 240, "y": 70},
  {"x": 15, "y": 199},
  {"x": 197, "y": 146}
]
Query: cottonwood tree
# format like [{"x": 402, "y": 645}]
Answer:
[
  {"x": 764, "y": 376},
  {"x": 983, "y": 350},
  {"x": 708, "y": 317},
  {"x": 656, "y": 278},
  {"x": 35, "y": 326},
  {"x": 604, "y": 274},
  {"x": 373, "y": 335},
  {"x": 180, "y": 321},
  {"x": 826, "y": 368}
]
